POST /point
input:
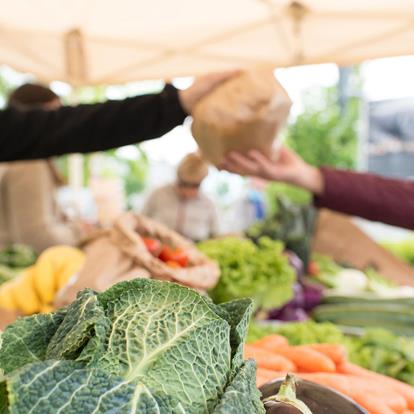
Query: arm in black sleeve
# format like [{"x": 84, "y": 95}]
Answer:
[{"x": 87, "y": 128}]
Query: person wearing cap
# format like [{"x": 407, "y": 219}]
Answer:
[{"x": 181, "y": 205}]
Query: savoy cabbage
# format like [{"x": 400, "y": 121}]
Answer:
[{"x": 142, "y": 346}]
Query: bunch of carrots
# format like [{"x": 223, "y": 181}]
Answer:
[{"x": 327, "y": 364}]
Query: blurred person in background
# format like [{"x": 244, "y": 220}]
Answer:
[
  {"x": 29, "y": 212},
  {"x": 369, "y": 196},
  {"x": 181, "y": 205}
]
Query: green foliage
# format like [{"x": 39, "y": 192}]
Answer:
[
  {"x": 290, "y": 219},
  {"x": 323, "y": 134},
  {"x": 260, "y": 271},
  {"x": 275, "y": 191},
  {"x": 133, "y": 171},
  {"x": 143, "y": 346},
  {"x": 381, "y": 351}
]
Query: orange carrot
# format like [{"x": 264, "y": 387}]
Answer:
[
  {"x": 272, "y": 342},
  {"x": 267, "y": 359},
  {"x": 307, "y": 359},
  {"x": 407, "y": 391},
  {"x": 356, "y": 388},
  {"x": 351, "y": 386},
  {"x": 333, "y": 351},
  {"x": 371, "y": 403},
  {"x": 336, "y": 382}
]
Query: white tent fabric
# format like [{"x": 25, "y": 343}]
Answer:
[{"x": 108, "y": 41}]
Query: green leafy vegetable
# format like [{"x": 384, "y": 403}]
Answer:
[
  {"x": 238, "y": 395},
  {"x": 290, "y": 219},
  {"x": 26, "y": 340},
  {"x": 17, "y": 256},
  {"x": 141, "y": 347},
  {"x": 403, "y": 249},
  {"x": 13, "y": 259},
  {"x": 302, "y": 333},
  {"x": 381, "y": 351},
  {"x": 261, "y": 271}
]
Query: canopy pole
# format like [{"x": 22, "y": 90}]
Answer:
[
  {"x": 76, "y": 73},
  {"x": 75, "y": 161},
  {"x": 75, "y": 57}
]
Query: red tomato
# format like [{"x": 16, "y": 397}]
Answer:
[
  {"x": 165, "y": 253},
  {"x": 152, "y": 245},
  {"x": 180, "y": 256},
  {"x": 174, "y": 255},
  {"x": 313, "y": 268},
  {"x": 173, "y": 264}
]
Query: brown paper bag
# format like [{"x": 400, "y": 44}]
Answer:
[{"x": 244, "y": 113}]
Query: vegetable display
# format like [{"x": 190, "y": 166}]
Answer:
[
  {"x": 396, "y": 315},
  {"x": 377, "y": 349},
  {"x": 381, "y": 351},
  {"x": 346, "y": 281},
  {"x": 142, "y": 346},
  {"x": 327, "y": 364},
  {"x": 260, "y": 271}
]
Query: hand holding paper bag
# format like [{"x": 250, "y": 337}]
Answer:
[{"x": 246, "y": 112}]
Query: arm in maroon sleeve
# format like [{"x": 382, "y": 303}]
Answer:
[{"x": 369, "y": 196}]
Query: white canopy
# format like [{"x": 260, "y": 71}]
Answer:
[{"x": 108, "y": 41}]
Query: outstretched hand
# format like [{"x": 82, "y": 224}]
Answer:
[{"x": 285, "y": 166}]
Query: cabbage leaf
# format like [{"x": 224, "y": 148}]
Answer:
[{"x": 142, "y": 346}]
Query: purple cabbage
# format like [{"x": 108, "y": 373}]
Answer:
[
  {"x": 313, "y": 295},
  {"x": 296, "y": 263},
  {"x": 306, "y": 297}
]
